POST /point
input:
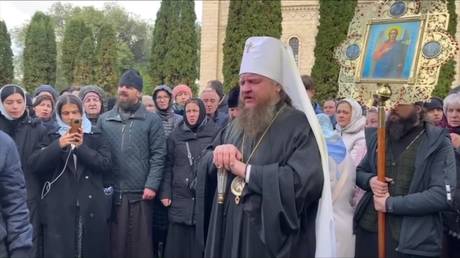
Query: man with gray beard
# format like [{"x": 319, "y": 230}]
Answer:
[
  {"x": 272, "y": 162},
  {"x": 421, "y": 175},
  {"x": 138, "y": 149}
]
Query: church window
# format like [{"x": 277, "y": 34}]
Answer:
[{"x": 294, "y": 44}]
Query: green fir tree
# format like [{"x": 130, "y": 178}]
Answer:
[
  {"x": 174, "y": 55},
  {"x": 6, "y": 56},
  {"x": 181, "y": 58},
  {"x": 39, "y": 52},
  {"x": 159, "y": 47},
  {"x": 84, "y": 63},
  {"x": 247, "y": 18},
  {"x": 335, "y": 17},
  {"x": 106, "y": 58},
  {"x": 75, "y": 32}
]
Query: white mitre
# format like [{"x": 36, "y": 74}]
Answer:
[{"x": 269, "y": 57}]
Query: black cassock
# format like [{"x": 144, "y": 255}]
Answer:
[{"x": 277, "y": 212}]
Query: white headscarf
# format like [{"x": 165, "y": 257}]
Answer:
[
  {"x": 357, "y": 121},
  {"x": 63, "y": 127},
  {"x": 2, "y": 108},
  {"x": 269, "y": 57}
]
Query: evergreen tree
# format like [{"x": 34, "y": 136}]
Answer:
[
  {"x": 159, "y": 47},
  {"x": 447, "y": 73},
  {"x": 75, "y": 32},
  {"x": 84, "y": 63},
  {"x": 39, "y": 52},
  {"x": 106, "y": 58},
  {"x": 181, "y": 58},
  {"x": 247, "y": 18},
  {"x": 335, "y": 17},
  {"x": 6, "y": 56}
]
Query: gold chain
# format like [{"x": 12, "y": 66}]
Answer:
[{"x": 238, "y": 182}]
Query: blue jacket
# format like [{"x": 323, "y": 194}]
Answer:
[
  {"x": 15, "y": 228},
  {"x": 138, "y": 147}
]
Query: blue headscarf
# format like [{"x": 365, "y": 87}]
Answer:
[
  {"x": 336, "y": 148},
  {"x": 71, "y": 99}
]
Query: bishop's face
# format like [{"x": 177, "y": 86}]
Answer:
[{"x": 256, "y": 90}]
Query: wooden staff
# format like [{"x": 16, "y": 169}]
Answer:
[{"x": 383, "y": 94}]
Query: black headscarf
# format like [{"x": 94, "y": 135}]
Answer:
[{"x": 201, "y": 118}]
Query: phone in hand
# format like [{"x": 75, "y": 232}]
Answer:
[{"x": 75, "y": 124}]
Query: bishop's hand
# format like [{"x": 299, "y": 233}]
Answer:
[{"x": 226, "y": 155}]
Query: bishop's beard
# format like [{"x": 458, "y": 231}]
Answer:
[
  {"x": 254, "y": 121},
  {"x": 399, "y": 127}
]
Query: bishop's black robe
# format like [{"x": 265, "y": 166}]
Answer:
[{"x": 277, "y": 211}]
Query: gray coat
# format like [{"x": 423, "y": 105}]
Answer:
[
  {"x": 138, "y": 149},
  {"x": 15, "y": 229},
  {"x": 421, "y": 228}
]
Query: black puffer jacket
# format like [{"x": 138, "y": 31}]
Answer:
[
  {"x": 29, "y": 135},
  {"x": 15, "y": 229},
  {"x": 79, "y": 192},
  {"x": 178, "y": 171}
]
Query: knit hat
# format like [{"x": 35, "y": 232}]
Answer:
[
  {"x": 91, "y": 88},
  {"x": 218, "y": 87},
  {"x": 46, "y": 88},
  {"x": 181, "y": 88},
  {"x": 133, "y": 79},
  {"x": 233, "y": 97},
  {"x": 433, "y": 103}
]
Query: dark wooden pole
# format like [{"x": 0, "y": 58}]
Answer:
[
  {"x": 383, "y": 94},
  {"x": 381, "y": 176}
]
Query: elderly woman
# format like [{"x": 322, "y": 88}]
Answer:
[
  {"x": 185, "y": 145},
  {"x": 451, "y": 241},
  {"x": 350, "y": 125},
  {"x": 92, "y": 97},
  {"x": 29, "y": 135},
  {"x": 75, "y": 205}
]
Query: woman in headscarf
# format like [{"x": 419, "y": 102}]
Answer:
[
  {"x": 350, "y": 126},
  {"x": 451, "y": 238},
  {"x": 92, "y": 97},
  {"x": 75, "y": 204},
  {"x": 342, "y": 175},
  {"x": 29, "y": 135},
  {"x": 44, "y": 110},
  {"x": 185, "y": 145},
  {"x": 163, "y": 99}
]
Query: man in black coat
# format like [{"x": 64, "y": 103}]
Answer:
[
  {"x": 138, "y": 145},
  {"x": 420, "y": 170},
  {"x": 15, "y": 228}
]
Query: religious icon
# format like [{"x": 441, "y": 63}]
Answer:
[{"x": 391, "y": 50}]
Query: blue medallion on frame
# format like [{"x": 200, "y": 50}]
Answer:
[
  {"x": 431, "y": 49},
  {"x": 352, "y": 51},
  {"x": 398, "y": 9}
]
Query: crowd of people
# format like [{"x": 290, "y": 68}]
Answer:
[{"x": 243, "y": 174}]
